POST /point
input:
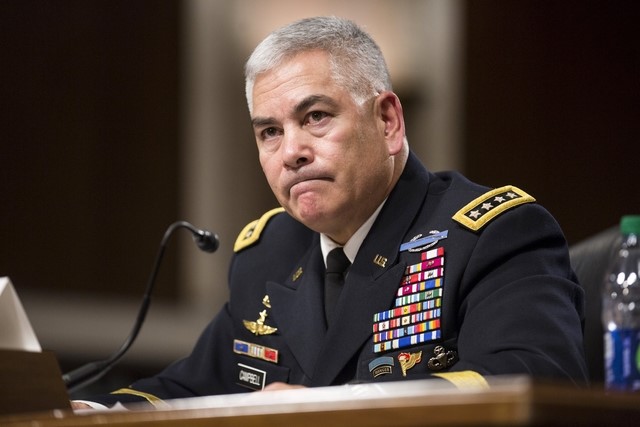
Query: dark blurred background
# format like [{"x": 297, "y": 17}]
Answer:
[{"x": 118, "y": 118}]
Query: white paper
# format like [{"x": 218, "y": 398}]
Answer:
[
  {"x": 16, "y": 332},
  {"x": 349, "y": 396}
]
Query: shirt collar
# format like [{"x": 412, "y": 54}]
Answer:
[{"x": 352, "y": 246}]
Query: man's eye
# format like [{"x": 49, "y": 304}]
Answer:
[
  {"x": 316, "y": 116},
  {"x": 269, "y": 133}
]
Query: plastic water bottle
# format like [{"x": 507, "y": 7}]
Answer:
[{"x": 621, "y": 311}]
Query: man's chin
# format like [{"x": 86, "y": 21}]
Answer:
[{"x": 311, "y": 217}]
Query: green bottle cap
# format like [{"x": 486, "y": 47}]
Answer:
[{"x": 630, "y": 224}]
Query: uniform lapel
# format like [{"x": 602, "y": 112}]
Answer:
[
  {"x": 297, "y": 308},
  {"x": 374, "y": 276}
]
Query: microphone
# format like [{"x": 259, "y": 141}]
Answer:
[{"x": 91, "y": 372}]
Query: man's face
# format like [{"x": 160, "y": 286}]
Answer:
[{"x": 325, "y": 158}]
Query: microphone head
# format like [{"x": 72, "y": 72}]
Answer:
[{"x": 207, "y": 241}]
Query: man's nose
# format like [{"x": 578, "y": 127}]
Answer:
[{"x": 297, "y": 149}]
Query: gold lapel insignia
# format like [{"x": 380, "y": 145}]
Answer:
[
  {"x": 266, "y": 302},
  {"x": 380, "y": 261},
  {"x": 258, "y": 327},
  {"x": 297, "y": 274},
  {"x": 408, "y": 361}
]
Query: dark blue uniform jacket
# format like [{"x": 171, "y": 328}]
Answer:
[{"x": 506, "y": 301}]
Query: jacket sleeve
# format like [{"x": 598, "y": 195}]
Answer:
[{"x": 521, "y": 308}]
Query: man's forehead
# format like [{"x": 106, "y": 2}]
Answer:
[
  {"x": 311, "y": 65},
  {"x": 296, "y": 94}
]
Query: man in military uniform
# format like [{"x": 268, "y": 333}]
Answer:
[{"x": 436, "y": 276}]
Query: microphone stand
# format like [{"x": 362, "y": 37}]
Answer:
[{"x": 91, "y": 372}]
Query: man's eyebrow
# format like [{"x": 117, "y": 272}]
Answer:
[
  {"x": 301, "y": 106},
  {"x": 262, "y": 121},
  {"x": 311, "y": 100}
]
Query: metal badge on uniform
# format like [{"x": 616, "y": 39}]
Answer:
[
  {"x": 258, "y": 327},
  {"x": 408, "y": 361},
  {"x": 415, "y": 316},
  {"x": 380, "y": 261},
  {"x": 266, "y": 301},
  {"x": 381, "y": 366},
  {"x": 250, "y": 377},
  {"x": 442, "y": 358},
  {"x": 419, "y": 243},
  {"x": 297, "y": 274}
]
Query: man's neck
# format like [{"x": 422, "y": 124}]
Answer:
[{"x": 352, "y": 246}]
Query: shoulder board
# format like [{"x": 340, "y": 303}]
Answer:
[
  {"x": 250, "y": 234},
  {"x": 477, "y": 213}
]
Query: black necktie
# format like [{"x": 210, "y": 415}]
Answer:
[{"x": 337, "y": 265}]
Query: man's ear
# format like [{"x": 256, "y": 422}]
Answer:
[{"x": 392, "y": 119}]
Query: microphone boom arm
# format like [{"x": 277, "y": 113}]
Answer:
[{"x": 91, "y": 372}]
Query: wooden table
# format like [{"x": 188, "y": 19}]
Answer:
[{"x": 510, "y": 401}]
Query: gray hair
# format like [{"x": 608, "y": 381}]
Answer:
[{"x": 357, "y": 63}]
